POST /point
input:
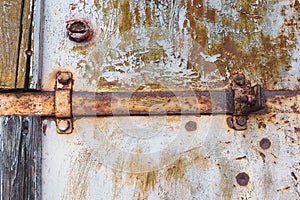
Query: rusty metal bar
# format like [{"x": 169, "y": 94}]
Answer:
[
  {"x": 119, "y": 103},
  {"x": 136, "y": 103}
]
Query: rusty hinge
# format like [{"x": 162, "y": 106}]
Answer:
[{"x": 64, "y": 104}]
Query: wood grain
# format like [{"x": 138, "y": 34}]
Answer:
[
  {"x": 20, "y": 158},
  {"x": 15, "y": 23}
]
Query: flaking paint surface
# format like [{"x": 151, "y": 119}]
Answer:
[
  {"x": 174, "y": 45},
  {"x": 177, "y": 44}
]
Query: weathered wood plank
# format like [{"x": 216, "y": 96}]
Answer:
[
  {"x": 20, "y": 158},
  {"x": 14, "y": 36}
]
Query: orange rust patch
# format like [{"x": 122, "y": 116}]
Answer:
[
  {"x": 137, "y": 15},
  {"x": 80, "y": 49},
  {"x": 211, "y": 15}
]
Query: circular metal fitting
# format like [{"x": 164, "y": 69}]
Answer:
[
  {"x": 64, "y": 78},
  {"x": 242, "y": 179},
  {"x": 241, "y": 120},
  {"x": 265, "y": 143},
  {"x": 240, "y": 79},
  {"x": 79, "y": 31}
]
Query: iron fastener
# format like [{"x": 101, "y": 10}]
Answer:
[
  {"x": 240, "y": 79},
  {"x": 79, "y": 31},
  {"x": 242, "y": 179}
]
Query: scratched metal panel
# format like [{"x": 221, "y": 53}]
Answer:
[{"x": 174, "y": 45}]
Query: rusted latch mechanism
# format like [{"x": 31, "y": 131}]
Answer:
[
  {"x": 64, "y": 104},
  {"x": 63, "y": 100},
  {"x": 247, "y": 99}
]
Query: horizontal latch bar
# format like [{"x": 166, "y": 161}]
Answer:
[
  {"x": 136, "y": 103},
  {"x": 120, "y": 103}
]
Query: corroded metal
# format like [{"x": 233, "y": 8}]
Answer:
[
  {"x": 158, "y": 45},
  {"x": 79, "y": 30},
  {"x": 136, "y": 103},
  {"x": 63, "y": 100},
  {"x": 247, "y": 99}
]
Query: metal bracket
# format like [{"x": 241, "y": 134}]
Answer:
[
  {"x": 63, "y": 102},
  {"x": 247, "y": 99}
]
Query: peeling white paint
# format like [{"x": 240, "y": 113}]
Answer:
[{"x": 111, "y": 158}]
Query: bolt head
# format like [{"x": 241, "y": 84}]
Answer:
[
  {"x": 265, "y": 143},
  {"x": 240, "y": 79},
  {"x": 242, "y": 179},
  {"x": 64, "y": 78},
  {"x": 79, "y": 31},
  {"x": 63, "y": 125},
  {"x": 241, "y": 120}
]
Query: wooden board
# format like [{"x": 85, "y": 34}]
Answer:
[
  {"x": 15, "y": 37},
  {"x": 20, "y": 163}
]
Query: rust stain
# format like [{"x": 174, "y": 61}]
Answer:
[
  {"x": 285, "y": 189},
  {"x": 127, "y": 17},
  {"x": 44, "y": 128},
  {"x": 78, "y": 183},
  {"x": 265, "y": 61},
  {"x": 80, "y": 49},
  {"x": 137, "y": 15},
  {"x": 241, "y": 158},
  {"x": 148, "y": 20},
  {"x": 197, "y": 159},
  {"x": 50, "y": 82},
  {"x": 262, "y": 125},
  {"x": 177, "y": 170},
  {"x": 144, "y": 181},
  {"x": 211, "y": 15}
]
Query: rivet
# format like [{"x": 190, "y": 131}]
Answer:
[
  {"x": 265, "y": 143},
  {"x": 63, "y": 125},
  {"x": 242, "y": 179},
  {"x": 29, "y": 52},
  {"x": 191, "y": 126},
  {"x": 241, "y": 120}
]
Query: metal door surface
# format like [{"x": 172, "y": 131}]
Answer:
[{"x": 173, "y": 46}]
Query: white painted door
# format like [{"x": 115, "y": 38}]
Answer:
[{"x": 180, "y": 45}]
